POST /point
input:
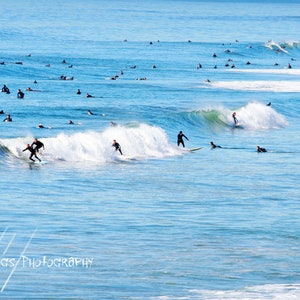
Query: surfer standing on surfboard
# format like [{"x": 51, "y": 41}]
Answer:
[
  {"x": 32, "y": 151},
  {"x": 37, "y": 145},
  {"x": 234, "y": 118},
  {"x": 180, "y": 137},
  {"x": 117, "y": 146}
]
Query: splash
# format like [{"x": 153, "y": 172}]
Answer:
[
  {"x": 140, "y": 142},
  {"x": 275, "y": 46},
  {"x": 257, "y": 116}
]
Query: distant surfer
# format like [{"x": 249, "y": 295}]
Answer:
[
  {"x": 234, "y": 118},
  {"x": 37, "y": 145},
  {"x": 213, "y": 146},
  {"x": 7, "y": 119},
  {"x": 90, "y": 112},
  {"x": 260, "y": 149},
  {"x": 32, "y": 152},
  {"x": 269, "y": 104},
  {"x": 78, "y": 92},
  {"x": 117, "y": 146},
  {"x": 5, "y": 89},
  {"x": 180, "y": 137},
  {"x": 89, "y": 95},
  {"x": 113, "y": 124}
]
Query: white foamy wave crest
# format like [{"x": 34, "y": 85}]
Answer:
[
  {"x": 256, "y": 116},
  {"x": 275, "y": 46},
  {"x": 139, "y": 142},
  {"x": 263, "y": 292},
  {"x": 268, "y": 86}
]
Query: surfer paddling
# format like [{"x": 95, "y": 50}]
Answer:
[
  {"x": 260, "y": 149},
  {"x": 180, "y": 137},
  {"x": 213, "y": 146}
]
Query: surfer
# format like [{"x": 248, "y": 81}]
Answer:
[
  {"x": 20, "y": 94},
  {"x": 213, "y": 146},
  {"x": 5, "y": 89},
  {"x": 260, "y": 149},
  {"x": 32, "y": 152},
  {"x": 117, "y": 146},
  {"x": 269, "y": 104},
  {"x": 78, "y": 92},
  {"x": 180, "y": 137},
  {"x": 234, "y": 118},
  {"x": 38, "y": 145},
  {"x": 7, "y": 119}
]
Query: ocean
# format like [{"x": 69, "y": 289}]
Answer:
[{"x": 160, "y": 221}]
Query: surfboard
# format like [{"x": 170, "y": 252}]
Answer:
[
  {"x": 39, "y": 162},
  {"x": 194, "y": 149},
  {"x": 237, "y": 125}
]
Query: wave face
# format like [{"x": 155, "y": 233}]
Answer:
[{"x": 252, "y": 116}]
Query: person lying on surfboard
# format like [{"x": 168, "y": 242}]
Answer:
[
  {"x": 32, "y": 152},
  {"x": 180, "y": 137},
  {"x": 260, "y": 149},
  {"x": 213, "y": 146}
]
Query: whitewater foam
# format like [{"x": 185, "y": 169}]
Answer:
[
  {"x": 141, "y": 142},
  {"x": 258, "y": 85},
  {"x": 252, "y": 116}
]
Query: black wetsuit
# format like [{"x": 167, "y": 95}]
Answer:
[
  {"x": 180, "y": 137},
  {"x": 20, "y": 95},
  {"x": 38, "y": 145},
  {"x": 259, "y": 149},
  {"x": 118, "y": 147},
  {"x": 33, "y": 153},
  {"x": 213, "y": 146}
]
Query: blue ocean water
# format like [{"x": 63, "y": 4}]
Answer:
[{"x": 159, "y": 222}]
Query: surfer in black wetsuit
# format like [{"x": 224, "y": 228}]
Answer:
[
  {"x": 260, "y": 149},
  {"x": 5, "y": 89},
  {"x": 32, "y": 152},
  {"x": 20, "y": 94},
  {"x": 37, "y": 145},
  {"x": 213, "y": 146},
  {"x": 117, "y": 146},
  {"x": 180, "y": 137},
  {"x": 7, "y": 119},
  {"x": 234, "y": 118}
]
